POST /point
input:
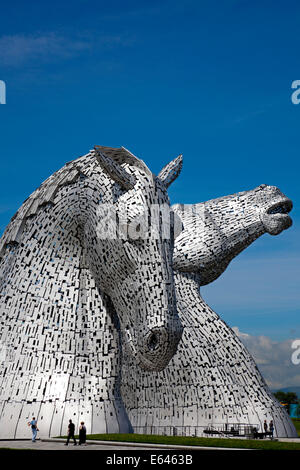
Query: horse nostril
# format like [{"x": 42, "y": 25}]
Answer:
[{"x": 153, "y": 342}]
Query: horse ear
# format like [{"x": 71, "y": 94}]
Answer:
[
  {"x": 115, "y": 171},
  {"x": 170, "y": 172}
]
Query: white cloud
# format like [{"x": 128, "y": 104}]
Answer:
[
  {"x": 239, "y": 333},
  {"x": 273, "y": 358},
  {"x": 18, "y": 49}
]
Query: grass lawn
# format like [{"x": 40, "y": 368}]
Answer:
[{"x": 264, "y": 444}]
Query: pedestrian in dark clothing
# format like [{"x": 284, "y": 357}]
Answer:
[
  {"x": 82, "y": 433},
  {"x": 71, "y": 433},
  {"x": 265, "y": 426},
  {"x": 271, "y": 427}
]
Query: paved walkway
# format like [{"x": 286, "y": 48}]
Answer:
[
  {"x": 289, "y": 439},
  {"x": 58, "y": 444},
  {"x": 54, "y": 444}
]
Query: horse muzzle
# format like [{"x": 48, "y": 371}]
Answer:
[
  {"x": 158, "y": 346},
  {"x": 276, "y": 218}
]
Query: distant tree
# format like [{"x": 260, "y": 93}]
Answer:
[
  {"x": 287, "y": 398},
  {"x": 298, "y": 410}
]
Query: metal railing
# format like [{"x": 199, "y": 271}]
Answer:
[{"x": 221, "y": 430}]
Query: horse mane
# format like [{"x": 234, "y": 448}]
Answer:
[{"x": 71, "y": 172}]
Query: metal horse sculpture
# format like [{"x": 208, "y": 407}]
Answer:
[
  {"x": 212, "y": 382},
  {"x": 70, "y": 292}
]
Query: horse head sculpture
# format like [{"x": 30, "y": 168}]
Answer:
[
  {"x": 134, "y": 271},
  {"x": 225, "y": 226},
  {"x": 131, "y": 257}
]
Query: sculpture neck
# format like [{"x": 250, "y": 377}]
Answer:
[{"x": 187, "y": 286}]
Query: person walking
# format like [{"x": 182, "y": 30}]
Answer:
[
  {"x": 265, "y": 426},
  {"x": 71, "y": 433},
  {"x": 34, "y": 428},
  {"x": 82, "y": 433}
]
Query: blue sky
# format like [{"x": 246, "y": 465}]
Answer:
[{"x": 211, "y": 80}]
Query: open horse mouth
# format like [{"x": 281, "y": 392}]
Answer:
[
  {"x": 282, "y": 207},
  {"x": 276, "y": 218}
]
